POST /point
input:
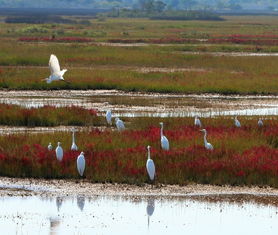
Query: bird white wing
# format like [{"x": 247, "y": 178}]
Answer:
[
  {"x": 81, "y": 164},
  {"x": 109, "y": 117},
  {"x": 197, "y": 122},
  {"x": 74, "y": 147},
  {"x": 59, "y": 153},
  {"x": 209, "y": 146},
  {"x": 164, "y": 143},
  {"x": 54, "y": 65},
  {"x": 120, "y": 125},
  {"x": 150, "y": 168}
]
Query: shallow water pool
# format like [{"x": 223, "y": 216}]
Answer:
[{"x": 135, "y": 215}]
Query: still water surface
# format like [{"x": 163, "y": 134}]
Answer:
[
  {"x": 132, "y": 104},
  {"x": 134, "y": 215}
]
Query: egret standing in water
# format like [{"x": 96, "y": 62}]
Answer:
[
  {"x": 197, "y": 122},
  {"x": 59, "y": 152},
  {"x": 119, "y": 124},
  {"x": 108, "y": 117},
  {"x": 73, "y": 146},
  {"x": 163, "y": 139},
  {"x": 207, "y": 144},
  {"x": 49, "y": 147},
  {"x": 260, "y": 122},
  {"x": 150, "y": 165},
  {"x": 237, "y": 123},
  {"x": 56, "y": 74},
  {"x": 81, "y": 164}
]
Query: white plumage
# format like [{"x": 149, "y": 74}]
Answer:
[
  {"x": 108, "y": 116},
  {"x": 119, "y": 124},
  {"x": 56, "y": 74},
  {"x": 207, "y": 144},
  {"x": 49, "y": 147},
  {"x": 150, "y": 165},
  {"x": 163, "y": 139},
  {"x": 237, "y": 123},
  {"x": 260, "y": 122},
  {"x": 197, "y": 122},
  {"x": 59, "y": 152},
  {"x": 81, "y": 164},
  {"x": 73, "y": 146}
]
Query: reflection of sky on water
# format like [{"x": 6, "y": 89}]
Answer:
[
  {"x": 156, "y": 105},
  {"x": 123, "y": 215}
]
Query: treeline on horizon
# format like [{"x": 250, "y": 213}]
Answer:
[{"x": 146, "y": 4}]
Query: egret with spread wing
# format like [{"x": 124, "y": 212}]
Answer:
[{"x": 56, "y": 73}]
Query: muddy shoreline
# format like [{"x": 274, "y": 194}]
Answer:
[{"x": 71, "y": 188}]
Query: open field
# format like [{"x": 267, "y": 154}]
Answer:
[
  {"x": 163, "y": 59},
  {"x": 242, "y": 156},
  {"x": 161, "y": 64}
]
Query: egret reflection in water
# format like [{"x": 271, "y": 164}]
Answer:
[
  {"x": 150, "y": 209},
  {"x": 80, "y": 202},
  {"x": 59, "y": 201},
  {"x": 54, "y": 225}
]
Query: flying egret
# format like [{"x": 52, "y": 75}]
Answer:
[
  {"x": 260, "y": 122},
  {"x": 164, "y": 140},
  {"x": 119, "y": 124},
  {"x": 73, "y": 146},
  {"x": 56, "y": 74},
  {"x": 81, "y": 164},
  {"x": 49, "y": 147},
  {"x": 237, "y": 123},
  {"x": 207, "y": 145},
  {"x": 150, "y": 165},
  {"x": 197, "y": 122},
  {"x": 108, "y": 116},
  {"x": 59, "y": 152}
]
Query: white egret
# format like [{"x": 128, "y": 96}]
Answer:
[
  {"x": 164, "y": 140},
  {"x": 73, "y": 146},
  {"x": 207, "y": 145},
  {"x": 56, "y": 74},
  {"x": 59, "y": 152},
  {"x": 197, "y": 122},
  {"x": 260, "y": 122},
  {"x": 81, "y": 164},
  {"x": 150, "y": 165},
  {"x": 237, "y": 123},
  {"x": 108, "y": 116},
  {"x": 49, "y": 147},
  {"x": 119, "y": 124}
]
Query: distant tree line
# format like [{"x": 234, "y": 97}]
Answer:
[{"x": 146, "y": 5}]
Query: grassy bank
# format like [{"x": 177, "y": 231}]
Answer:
[
  {"x": 242, "y": 156},
  {"x": 239, "y": 79},
  {"x": 13, "y": 115}
]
